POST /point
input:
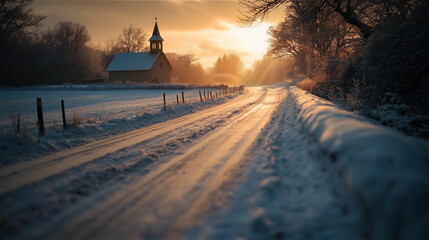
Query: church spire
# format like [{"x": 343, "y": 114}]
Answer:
[{"x": 156, "y": 40}]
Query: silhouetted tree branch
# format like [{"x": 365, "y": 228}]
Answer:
[
  {"x": 257, "y": 9},
  {"x": 132, "y": 39},
  {"x": 67, "y": 42},
  {"x": 16, "y": 17}
]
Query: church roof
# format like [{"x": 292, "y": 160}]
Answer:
[
  {"x": 156, "y": 36},
  {"x": 132, "y": 61}
]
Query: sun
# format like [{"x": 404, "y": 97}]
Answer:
[
  {"x": 249, "y": 43},
  {"x": 253, "y": 38}
]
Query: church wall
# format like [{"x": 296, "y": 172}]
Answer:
[
  {"x": 161, "y": 70},
  {"x": 133, "y": 76}
]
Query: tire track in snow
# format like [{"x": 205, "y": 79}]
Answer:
[{"x": 287, "y": 193}]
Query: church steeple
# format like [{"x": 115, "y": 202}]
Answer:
[{"x": 156, "y": 40}]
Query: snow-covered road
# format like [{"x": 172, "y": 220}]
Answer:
[
  {"x": 172, "y": 196},
  {"x": 160, "y": 172},
  {"x": 252, "y": 167}
]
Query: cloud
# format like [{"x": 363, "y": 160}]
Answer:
[{"x": 211, "y": 49}]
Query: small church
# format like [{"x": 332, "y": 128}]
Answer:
[{"x": 144, "y": 67}]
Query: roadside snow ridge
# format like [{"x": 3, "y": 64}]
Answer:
[{"x": 384, "y": 171}]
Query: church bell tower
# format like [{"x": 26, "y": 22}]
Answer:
[{"x": 156, "y": 40}]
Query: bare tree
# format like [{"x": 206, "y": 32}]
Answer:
[
  {"x": 16, "y": 17},
  {"x": 69, "y": 36},
  {"x": 382, "y": 43},
  {"x": 132, "y": 39},
  {"x": 363, "y": 14},
  {"x": 253, "y": 10},
  {"x": 188, "y": 59},
  {"x": 258, "y": 9},
  {"x": 312, "y": 37},
  {"x": 186, "y": 68},
  {"x": 111, "y": 48},
  {"x": 18, "y": 26},
  {"x": 68, "y": 42}
]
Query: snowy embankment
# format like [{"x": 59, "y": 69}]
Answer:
[{"x": 385, "y": 173}]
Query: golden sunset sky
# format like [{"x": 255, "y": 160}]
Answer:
[{"x": 206, "y": 28}]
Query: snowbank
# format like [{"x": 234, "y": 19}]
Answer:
[{"x": 386, "y": 174}]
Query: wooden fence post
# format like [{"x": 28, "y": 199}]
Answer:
[
  {"x": 201, "y": 98},
  {"x": 205, "y": 98},
  {"x": 64, "y": 115},
  {"x": 163, "y": 96},
  {"x": 216, "y": 94},
  {"x": 183, "y": 98},
  {"x": 40, "y": 124}
]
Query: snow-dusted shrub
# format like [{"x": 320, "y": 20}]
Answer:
[
  {"x": 92, "y": 120},
  {"x": 77, "y": 119},
  {"x": 16, "y": 121},
  {"x": 18, "y": 124},
  {"x": 329, "y": 89},
  {"x": 353, "y": 97},
  {"x": 307, "y": 84},
  {"x": 394, "y": 113},
  {"x": 55, "y": 123}
]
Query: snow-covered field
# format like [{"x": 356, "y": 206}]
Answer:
[
  {"x": 99, "y": 103},
  {"x": 269, "y": 163},
  {"x": 106, "y": 110}
]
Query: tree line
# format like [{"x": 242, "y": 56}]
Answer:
[
  {"x": 364, "y": 51},
  {"x": 32, "y": 55}
]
